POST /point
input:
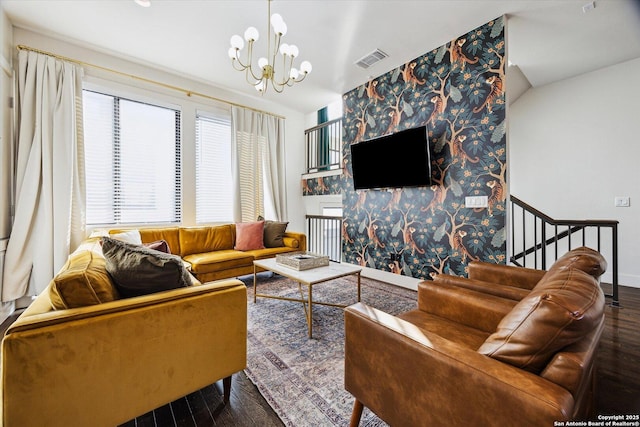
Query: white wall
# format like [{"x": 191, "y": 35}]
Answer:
[
  {"x": 294, "y": 130},
  {"x": 574, "y": 146},
  {"x": 6, "y": 92}
]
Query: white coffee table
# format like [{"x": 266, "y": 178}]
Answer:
[{"x": 305, "y": 277}]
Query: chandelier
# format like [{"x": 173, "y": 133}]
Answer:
[{"x": 276, "y": 68}]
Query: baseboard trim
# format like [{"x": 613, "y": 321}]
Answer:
[{"x": 388, "y": 277}]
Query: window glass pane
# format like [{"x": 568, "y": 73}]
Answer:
[
  {"x": 213, "y": 170},
  {"x": 132, "y": 155},
  {"x": 147, "y": 163},
  {"x": 98, "y": 140}
]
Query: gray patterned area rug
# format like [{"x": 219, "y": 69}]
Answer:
[{"x": 302, "y": 378}]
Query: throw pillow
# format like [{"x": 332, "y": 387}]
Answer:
[
  {"x": 130, "y": 236},
  {"x": 274, "y": 233},
  {"x": 249, "y": 236},
  {"x": 562, "y": 308},
  {"x": 82, "y": 281},
  {"x": 159, "y": 245},
  {"x": 137, "y": 270}
]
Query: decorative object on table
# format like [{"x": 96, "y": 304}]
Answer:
[{"x": 302, "y": 260}]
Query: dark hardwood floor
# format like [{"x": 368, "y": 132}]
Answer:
[{"x": 618, "y": 380}]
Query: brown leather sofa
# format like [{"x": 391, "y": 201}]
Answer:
[{"x": 510, "y": 346}]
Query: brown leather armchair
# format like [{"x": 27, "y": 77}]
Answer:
[{"x": 470, "y": 357}]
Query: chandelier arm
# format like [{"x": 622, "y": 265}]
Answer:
[
  {"x": 277, "y": 87},
  {"x": 250, "y": 78},
  {"x": 304, "y": 75},
  {"x": 286, "y": 71},
  {"x": 249, "y": 66},
  {"x": 237, "y": 62},
  {"x": 274, "y": 54}
]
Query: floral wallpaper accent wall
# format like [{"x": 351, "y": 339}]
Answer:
[{"x": 457, "y": 90}]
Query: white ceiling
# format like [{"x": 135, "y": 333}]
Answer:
[{"x": 549, "y": 40}]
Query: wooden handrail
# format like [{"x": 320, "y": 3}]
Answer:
[{"x": 573, "y": 226}]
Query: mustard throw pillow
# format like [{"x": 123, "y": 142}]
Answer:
[{"x": 83, "y": 281}]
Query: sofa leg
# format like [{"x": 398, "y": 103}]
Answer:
[
  {"x": 226, "y": 389},
  {"x": 356, "y": 414}
]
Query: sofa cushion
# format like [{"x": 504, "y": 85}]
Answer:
[
  {"x": 565, "y": 306},
  {"x": 274, "y": 233},
  {"x": 583, "y": 258},
  {"x": 195, "y": 240},
  {"x": 82, "y": 281},
  {"x": 208, "y": 262},
  {"x": 137, "y": 270},
  {"x": 249, "y": 236}
]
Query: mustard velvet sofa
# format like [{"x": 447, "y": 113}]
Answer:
[
  {"x": 210, "y": 252},
  {"x": 107, "y": 360}
]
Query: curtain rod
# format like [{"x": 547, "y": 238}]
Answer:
[{"x": 187, "y": 92}]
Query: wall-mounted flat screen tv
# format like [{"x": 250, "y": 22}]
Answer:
[{"x": 400, "y": 159}]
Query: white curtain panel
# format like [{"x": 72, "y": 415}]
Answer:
[
  {"x": 49, "y": 174},
  {"x": 257, "y": 165}
]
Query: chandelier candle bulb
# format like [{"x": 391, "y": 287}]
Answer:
[{"x": 251, "y": 34}]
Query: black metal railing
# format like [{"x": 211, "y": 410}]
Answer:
[
  {"x": 542, "y": 239},
  {"x": 324, "y": 236},
  {"x": 323, "y": 146}
]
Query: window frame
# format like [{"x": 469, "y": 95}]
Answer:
[{"x": 143, "y": 97}]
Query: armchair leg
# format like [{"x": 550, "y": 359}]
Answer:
[
  {"x": 226, "y": 389},
  {"x": 356, "y": 414}
]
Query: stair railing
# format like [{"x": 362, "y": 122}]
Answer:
[
  {"x": 323, "y": 146},
  {"x": 542, "y": 239},
  {"x": 324, "y": 236}
]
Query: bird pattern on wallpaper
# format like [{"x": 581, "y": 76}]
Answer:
[{"x": 456, "y": 90}]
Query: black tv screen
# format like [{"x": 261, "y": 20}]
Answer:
[{"x": 401, "y": 159}]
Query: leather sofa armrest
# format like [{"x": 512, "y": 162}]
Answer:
[
  {"x": 497, "y": 289},
  {"x": 468, "y": 307},
  {"x": 411, "y": 377},
  {"x": 519, "y": 277},
  {"x": 291, "y": 237}
]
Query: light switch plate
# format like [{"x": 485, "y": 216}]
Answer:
[
  {"x": 476, "y": 201},
  {"x": 621, "y": 202}
]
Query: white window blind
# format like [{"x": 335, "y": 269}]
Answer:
[
  {"x": 251, "y": 154},
  {"x": 132, "y": 160},
  {"x": 214, "y": 200}
]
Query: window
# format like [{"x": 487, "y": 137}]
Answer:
[
  {"x": 132, "y": 161},
  {"x": 214, "y": 202}
]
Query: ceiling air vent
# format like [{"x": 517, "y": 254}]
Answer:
[{"x": 370, "y": 59}]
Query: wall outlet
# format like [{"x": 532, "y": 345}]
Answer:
[
  {"x": 621, "y": 202},
  {"x": 476, "y": 202}
]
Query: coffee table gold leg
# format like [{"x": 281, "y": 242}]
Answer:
[
  {"x": 255, "y": 290},
  {"x": 310, "y": 312}
]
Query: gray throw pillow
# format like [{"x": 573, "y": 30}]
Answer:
[
  {"x": 274, "y": 233},
  {"x": 137, "y": 270}
]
